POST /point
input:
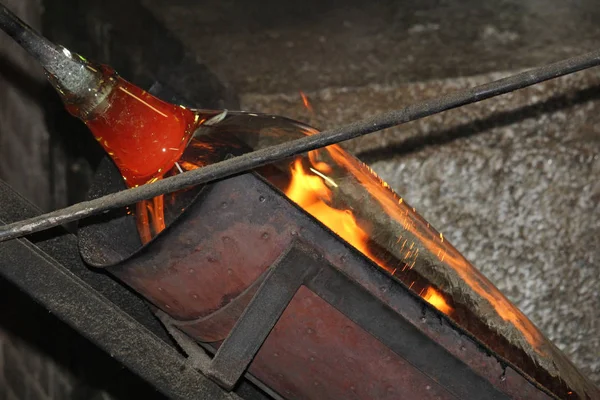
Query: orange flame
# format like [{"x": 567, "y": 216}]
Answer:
[
  {"x": 306, "y": 102},
  {"x": 150, "y": 215},
  {"x": 436, "y": 244},
  {"x": 312, "y": 192},
  {"x": 434, "y": 298}
]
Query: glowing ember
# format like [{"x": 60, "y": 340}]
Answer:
[
  {"x": 434, "y": 298},
  {"x": 305, "y": 101}
]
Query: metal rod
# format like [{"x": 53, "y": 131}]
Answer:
[
  {"x": 67, "y": 72},
  {"x": 282, "y": 151},
  {"x": 36, "y": 45}
]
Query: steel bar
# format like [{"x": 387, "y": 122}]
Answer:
[
  {"x": 245, "y": 339},
  {"x": 36, "y": 45},
  {"x": 58, "y": 62},
  {"x": 282, "y": 151}
]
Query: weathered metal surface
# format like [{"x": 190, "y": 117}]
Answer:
[
  {"x": 52, "y": 273},
  {"x": 203, "y": 265}
]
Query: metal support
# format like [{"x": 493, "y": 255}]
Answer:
[
  {"x": 400, "y": 336},
  {"x": 283, "y": 280},
  {"x": 301, "y": 265},
  {"x": 52, "y": 273}
]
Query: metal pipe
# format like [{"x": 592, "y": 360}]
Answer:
[{"x": 68, "y": 72}]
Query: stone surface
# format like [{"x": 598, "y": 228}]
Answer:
[
  {"x": 512, "y": 182},
  {"x": 272, "y": 46}
]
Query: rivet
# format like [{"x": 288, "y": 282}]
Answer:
[
  {"x": 309, "y": 331},
  {"x": 194, "y": 296},
  {"x": 229, "y": 271},
  {"x": 224, "y": 204},
  {"x": 191, "y": 270},
  {"x": 294, "y": 233},
  {"x": 312, "y": 359},
  {"x": 423, "y": 319},
  {"x": 161, "y": 289},
  {"x": 167, "y": 306},
  {"x": 265, "y": 235},
  {"x": 261, "y": 199}
]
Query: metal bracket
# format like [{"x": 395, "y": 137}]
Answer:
[
  {"x": 302, "y": 265},
  {"x": 282, "y": 281}
]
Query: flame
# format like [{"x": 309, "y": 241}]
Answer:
[
  {"x": 434, "y": 298},
  {"x": 435, "y": 244},
  {"x": 313, "y": 192},
  {"x": 305, "y": 101},
  {"x": 150, "y": 217},
  {"x": 150, "y": 213}
]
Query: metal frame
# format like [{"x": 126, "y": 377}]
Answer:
[
  {"x": 303, "y": 265},
  {"x": 48, "y": 268}
]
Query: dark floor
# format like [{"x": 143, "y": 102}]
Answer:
[{"x": 512, "y": 182}]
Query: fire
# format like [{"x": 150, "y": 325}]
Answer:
[
  {"x": 305, "y": 101},
  {"x": 434, "y": 298},
  {"x": 150, "y": 215},
  {"x": 312, "y": 191},
  {"x": 436, "y": 245}
]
